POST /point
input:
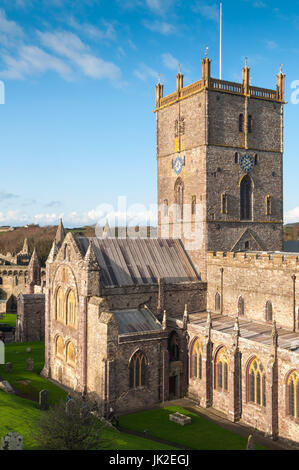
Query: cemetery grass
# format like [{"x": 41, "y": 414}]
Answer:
[
  {"x": 28, "y": 384},
  {"x": 9, "y": 318},
  {"x": 201, "y": 434},
  {"x": 21, "y": 416}
]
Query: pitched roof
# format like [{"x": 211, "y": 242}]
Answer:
[
  {"x": 136, "y": 320},
  {"x": 128, "y": 262}
]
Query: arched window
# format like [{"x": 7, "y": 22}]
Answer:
[
  {"x": 217, "y": 302},
  {"x": 60, "y": 305},
  {"x": 246, "y": 198},
  {"x": 269, "y": 311},
  {"x": 174, "y": 347},
  {"x": 165, "y": 208},
  {"x": 268, "y": 205},
  {"x": 293, "y": 394},
  {"x": 1, "y": 281},
  {"x": 193, "y": 205},
  {"x": 241, "y": 123},
  {"x": 222, "y": 370},
  {"x": 196, "y": 358},
  {"x": 236, "y": 157},
  {"x": 224, "y": 203},
  {"x": 241, "y": 306},
  {"x": 249, "y": 124},
  {"x": 70, "y": 354},
  {"x": 71, "y": 317},
  {"x": 59, "y": 347},
  {"x": 179, "y": 197},
  {"x": 256, "y": 381},
  {"x": 137, "y": 370}
]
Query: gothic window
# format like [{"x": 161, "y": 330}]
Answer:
[
  {"x": 268, "y": 205},
  {"x": 137, "y": 370},
  {"x": 60, "y": 305},
  {"x": 241, "y": 306},
  {"x": 70, "y": 354},
  {"x": 222, "y": 370},
  {"x": 293, "y": 394},
  {"x": 241, "y": 123},
  {"x": 182, "y": 126},
  {"x": 173, "y": 347},
  {"x": 196, "y": 367},
  {"x": 176, "y": 128},
  {"x": 224, "y": 203},
  {"x": 249, "y": 123},
  {"x": 71, "y": 309},
  {"x": 193, "y": 205},
  {"x": 179, "y": 197},
  {"x": 268, "y": 311},
  {"x": 165, "y": 208},
  {"x": 217, "y": 302},
  {"x": 246, "y": 198},
  {"x": 256, "y": 381},
  {"x": 59, "y": 347}
]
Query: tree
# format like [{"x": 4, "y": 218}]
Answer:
[{"x": 71, "y": 426}]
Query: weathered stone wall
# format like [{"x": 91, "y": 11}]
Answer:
[
  {"x": 274, "y": 418},
  {"x": 258, "y": 278},
  {"x": 30, "y": 325}
]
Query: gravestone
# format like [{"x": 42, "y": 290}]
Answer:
[
  {"x": 180, "y": 419},
  {"x": 44, "y": 400},
  {"x": 250, "y": 443},
  {"x": 69, "y": 406},
  {"x": 29, "y": 364},
  {"x": 28, "y": 349},
  {"x": 6, "y": 387},
  {"x": 12, "y": 441},
  {"x": 8, "y": 367}
]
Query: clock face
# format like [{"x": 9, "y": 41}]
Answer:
[
  {"x": 246, "y": 163},
  {"x": 178, "y": 165}
]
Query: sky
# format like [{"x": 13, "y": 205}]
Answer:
[{"x": 77, "y": 129}]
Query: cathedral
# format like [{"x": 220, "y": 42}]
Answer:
[{"x": 210, "y": 308}]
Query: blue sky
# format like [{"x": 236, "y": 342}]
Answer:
[{"x": 77, "y": 128}]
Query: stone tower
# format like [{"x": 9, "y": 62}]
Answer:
[{"x": 219, "y": 158}]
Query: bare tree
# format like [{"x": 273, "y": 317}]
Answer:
[{"x": 71, "y": 426}]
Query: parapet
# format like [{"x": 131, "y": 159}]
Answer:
[{"x": 258, "y": 259}]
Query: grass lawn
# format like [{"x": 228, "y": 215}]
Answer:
[
  {"x": 201, "y": 434},
  {"x": 28, "y": 383},
  {"x": 9, "y": 318},
  {"x": 21, "y": 415}
]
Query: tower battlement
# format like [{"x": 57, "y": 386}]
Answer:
[
  {"x": 224, "y": 86},
  {"x": 261, "y": 259}
]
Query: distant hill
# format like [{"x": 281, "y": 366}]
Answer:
[
  {"x": 39, "y": 237},
  {"x": 291, "y": 231}
]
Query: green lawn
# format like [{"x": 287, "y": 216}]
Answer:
[
  {"x": 9, "y": 318},
  {"x": 201, "y": 434},
  {"x": 21, "y": 415},
  {"x": 26, "y": 383}
]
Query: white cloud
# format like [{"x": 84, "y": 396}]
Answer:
[
  {"x": 144, "y": 72},
  {"x": 208, "y": 10},
  {"x": 170, "y": 62},
  {"x": 271, "y": 44},
  {"x": 91, "y": 31},
  {"x": 292, "y": 216},
  {"x": 160, "y": 27},
  {"x": 10, "y": 28},
  {"x": 32, "y": 60},
  {"x": 70, "y": 46}
]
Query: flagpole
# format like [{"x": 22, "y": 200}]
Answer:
[{"x": 220, "y": 55}]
